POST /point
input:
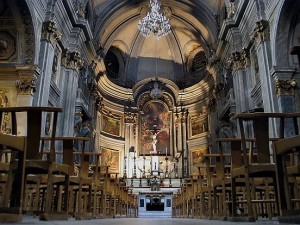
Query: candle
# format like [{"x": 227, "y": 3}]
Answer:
[{"x": 166, "y": 151}]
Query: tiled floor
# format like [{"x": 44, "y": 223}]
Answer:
[{"x": 141, "y": 221}]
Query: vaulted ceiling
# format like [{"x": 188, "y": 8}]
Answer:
[{"x": 194, "y": 30}]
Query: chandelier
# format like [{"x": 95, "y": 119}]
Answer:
[{"x": 154, "y": 23}]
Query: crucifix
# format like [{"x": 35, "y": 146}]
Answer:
[{"x": 154, "y": 132}]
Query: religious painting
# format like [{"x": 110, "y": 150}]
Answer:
[
  {"x": 5, "y": 123},
  {"x": 110, "y": 158},
  {"x": 198, "y": 126},
  {"x": 155, "y": 129},
  {"x": 111, "y": 125},
  {"x": 197, "y": 158}
]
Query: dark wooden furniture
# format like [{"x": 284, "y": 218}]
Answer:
[
  {"x": 258, "y": 126},
  {"x": 205, "y": 189},
  {"x": 221, "y": 181},
  {"x": 77, "y": 192},
  {"x": 25, "y": 150},
  {"x": 287, "y": 152}
]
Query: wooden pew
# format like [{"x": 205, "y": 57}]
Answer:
[
  {"x": 288, "y": 173},
  {"x": 25, "y": 157}
]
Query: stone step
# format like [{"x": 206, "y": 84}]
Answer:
[{"x": 155, "y": 214}]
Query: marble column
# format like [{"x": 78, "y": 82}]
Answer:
[
  {"x": 25, "y": 85},
  {"x": 126, "y": 149},
  {"x": 241, "y": 80},
  {"x": 285, "y": 90},
  {"x": 261, "y": 37},
  {"x": 130, "y": 141},
  {"x": 49, "y": 39},
  {"x": 71, "y": 64}
]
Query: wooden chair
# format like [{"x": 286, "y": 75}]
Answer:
[
  {"x": 100, "y": 177},
  {"x": 221, "y": 182},
  {"x": 24, "y": 159},
  {"x": 205, "y": 189},
  {"x": 4, "y": 171},
  {"x": 11, "y": 211},
  {"x": 263, "y": 166},
  {"x": 77, "y": 192},
  {"x": 288, "y": 173}
]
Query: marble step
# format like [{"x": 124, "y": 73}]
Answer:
[{"x": 155, "y": 214}]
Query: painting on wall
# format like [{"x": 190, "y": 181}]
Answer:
[
  {"x": 111, "y": 125},
  {"x": 155, "y": 129},
  {"x": 198, "y": 126},
  {"x": 110, "y": 158},
  {"x": 197, "y": 158},
  {"x": 5, "y": 123}
]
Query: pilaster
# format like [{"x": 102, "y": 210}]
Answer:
[
  {"x": 239, "y": 63},
  {"x": 261, "y": 38},
  {"x": 49, "y": 38},
  {"x": 71, "y": 64},
  {"x": 285, "y": 86},
  {"x": 25, "y": 85}
]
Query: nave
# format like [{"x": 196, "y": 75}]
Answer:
[{"x": 141, "y": 221}]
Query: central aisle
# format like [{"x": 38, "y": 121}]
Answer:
[{"x": 140, "y": 221}]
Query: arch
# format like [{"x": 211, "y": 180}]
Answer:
[
  {"x": 284, "y": 33},
  {"x": 26, "y": 33}
]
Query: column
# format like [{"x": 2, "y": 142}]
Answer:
[
  {"x": 130, "y": 140},
  {"x": 261, "y": 37},
  {"x": 184, "y": 150},
  {"x": 71, "y": 64},
  {"x": 240, "y": 64},
  {"x": 126, "y": 148},
  {"x": 25, "y": 85},
  {"x": 49, "y": 39},
  {"x": 285, "y": 91}
]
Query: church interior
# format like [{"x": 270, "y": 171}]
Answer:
[{"x": 150, "y": 108}]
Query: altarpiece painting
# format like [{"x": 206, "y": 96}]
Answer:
[{"x": 155, "y": 129}]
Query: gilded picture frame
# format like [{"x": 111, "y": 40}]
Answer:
[
  {"x": 110, "y": 158},
  {"x": 111, "y": 125},
  {"x": 198, "y": 126},
  {"x": 197, "y": 158}
]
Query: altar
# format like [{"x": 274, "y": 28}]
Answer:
[{"x": 155, "y": 204}]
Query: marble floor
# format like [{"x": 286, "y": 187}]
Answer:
[{"x": 141, "y": 221}]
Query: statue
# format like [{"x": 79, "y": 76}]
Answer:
[{"x": 154, "y": 136}]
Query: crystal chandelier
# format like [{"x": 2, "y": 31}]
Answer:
[{"x": 154, "y": 23}]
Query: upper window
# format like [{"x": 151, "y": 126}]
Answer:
[
  {"x": 112, "y": 65},
  {"x": 199, "y": 62},
  {"x": 197, "y": 66}
]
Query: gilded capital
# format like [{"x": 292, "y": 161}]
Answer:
[
  {"x": 261, "y": 32},
  {"x": 26, "y": 84},
  {"x": 285, "y": 87},
  {"x": 239, "y": 60},
  {"x": 50, "y": 32},
  {"x": 245, "y": 58},
  {"x": 72, "y": 60},
  {"x": 3, "y": 98},
  {"x": 130, "y": 117}
]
